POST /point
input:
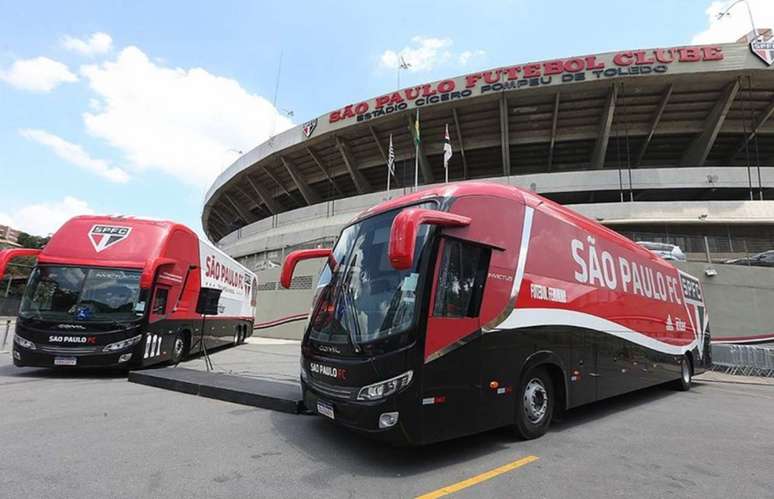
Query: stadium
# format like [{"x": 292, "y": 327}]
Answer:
[{"x": 668, "y": 145}]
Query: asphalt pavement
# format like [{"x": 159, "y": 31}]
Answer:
[{"x": 93, "y": 434}]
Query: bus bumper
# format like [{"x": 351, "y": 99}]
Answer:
[
  {"x": 362, "y": 417},
  {"x": 23, "y": 357}
]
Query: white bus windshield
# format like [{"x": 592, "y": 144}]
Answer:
[
  {"x": 82, "y": 294},
  {"x": 363, "y": 297}
]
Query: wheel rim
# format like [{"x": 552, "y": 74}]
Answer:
[
  {"x": 686, "y": 372},
  {"x": 535, "y": 401},
  {"x": 179, "y": 345}
]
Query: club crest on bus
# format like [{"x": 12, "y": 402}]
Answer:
[
  {"x": 105, "y": 236},
  {"x": 764, "y": 49},
  {"x": 309, "y": 127}
]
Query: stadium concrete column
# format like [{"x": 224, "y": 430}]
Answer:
[
  {"x": 603, "y": 136},
  {"x": 654, "y": 123},
  {"x": 699, "y": 148},
  {"x": 554, "y": 122},
  {"x": 264, "y": 196},
  {"x": 505, "y": 141},
  {"x": 461, "y": 143},
  {"x": 361, "y": 184},
  {"x": 318, "y": 161},
  {"x": 307, "y": 193},
  {"x": 762, "y": 119}
]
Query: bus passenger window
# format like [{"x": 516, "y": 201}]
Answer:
[
  {"x": 461, "y": 279},
  {"x": 160, "y": 303}
]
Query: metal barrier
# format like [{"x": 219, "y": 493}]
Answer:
[
  {"x": 6, "y": 332},
  {"x": 744, "y": 360}
]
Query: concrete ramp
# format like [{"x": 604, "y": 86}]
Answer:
[{"x": 266, "y": 394}]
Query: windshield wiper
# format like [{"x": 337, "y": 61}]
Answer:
[{"x": 354, "y": 330}]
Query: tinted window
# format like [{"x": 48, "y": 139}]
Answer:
[
  {"x": 461, "y": 279},
  {"x": 160, "y": 302}
]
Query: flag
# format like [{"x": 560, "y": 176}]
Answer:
[
  {"x": 447, "y": 152},
  {"x": 416, "y": 129},
  {"x": 391, "y": 158}
]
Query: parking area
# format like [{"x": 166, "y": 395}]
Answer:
[{"x": 93, "y": 434}]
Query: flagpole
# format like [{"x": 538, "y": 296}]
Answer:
[
  {"x": 416, "y": 152},
  {"x": 388, "y": 182}
]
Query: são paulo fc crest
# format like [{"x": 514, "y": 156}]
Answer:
[
  {"x": 104, "y": 236},
  {"x": 764, "y": 49},
  {"x": 309, "y": 127}
]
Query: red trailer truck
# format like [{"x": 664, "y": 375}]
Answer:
[
  {"x": 128, "y": 292},
  {"x": 472, "y": 306}
]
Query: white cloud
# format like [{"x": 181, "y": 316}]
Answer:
[
  {"x": 40, "y": 74},
  {"x": 98, "y": 43},
  {"x": 426, "y": 53},
  {"x": 467, "y": 55},
  {"x": 734, "y": 26},
  {"x": 183, "y": 122},
  {"x": 41, "y": 219},
  {"x": 73, "y": 153}
]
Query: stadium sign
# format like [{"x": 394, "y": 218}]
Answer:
[{"x": 538, "y": 74}]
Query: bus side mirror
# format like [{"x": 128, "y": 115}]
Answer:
[
  {"x": 7, "y": 255},
  {"x": 208, "y": 301},
  {"x": 403, "y": 233},
  {"x": 289, "y": 265}
]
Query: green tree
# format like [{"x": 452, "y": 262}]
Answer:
[{"x": 29, "y": 241}]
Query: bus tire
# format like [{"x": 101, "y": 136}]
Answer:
[
  {"x": 535, "y": 402},
  {"x": 179, "y": 348},
  {"x": 686, "y": 375}
]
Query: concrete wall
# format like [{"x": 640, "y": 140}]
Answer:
[{"x": 740, "y": 300}]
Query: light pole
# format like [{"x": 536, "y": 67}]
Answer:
[
  {"x": 402, "y": 64},
  {"x": 727, "y": 12}
]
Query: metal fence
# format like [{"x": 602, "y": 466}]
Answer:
[
  {"x": 745, "y": 360},
  {"x": 6, "y": 333}
]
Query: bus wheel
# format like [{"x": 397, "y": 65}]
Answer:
[
  {"x": 686, "y": 375},
  {"x": 535, "y": 404},
  {"x": 178, "y": 349}
]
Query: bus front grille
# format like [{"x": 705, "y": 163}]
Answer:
[{"x": 340, "y": 392}]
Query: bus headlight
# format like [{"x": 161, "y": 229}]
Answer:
[
  {"x": 386, "y": 388},
  {"x": 120, "y": 345},
  {"x": 24, "y": 343}
]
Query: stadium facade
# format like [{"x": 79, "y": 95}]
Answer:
[{"x": 669, "y": 144}]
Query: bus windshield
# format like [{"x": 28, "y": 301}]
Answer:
[
  {"x": 360, "y": 297},
  {"x": 82, "y": 294}
]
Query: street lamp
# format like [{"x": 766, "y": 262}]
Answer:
[
  {"x": 727, "y": 12},
  {"x": 402, "y": 64}
]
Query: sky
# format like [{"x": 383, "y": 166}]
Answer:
[{"x": 135, "y": 107}]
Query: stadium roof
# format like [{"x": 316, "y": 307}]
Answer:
[{"x": 683, "y": 106}]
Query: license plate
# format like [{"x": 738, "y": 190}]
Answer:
[
  {"x": 325, "y": 409},
  {"x": 65, "y": 361}
]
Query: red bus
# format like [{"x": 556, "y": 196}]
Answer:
[
  {"x": 472, "y": 306},
  {"x": 128, "y": 292}
]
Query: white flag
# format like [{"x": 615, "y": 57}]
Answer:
[
  {"x": 447, "y": 152},
  {"x": 391, "y": 158}
]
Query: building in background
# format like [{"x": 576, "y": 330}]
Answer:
[
  {"x": 672, "y": 145},
  {"x": 9, "y": 237}
]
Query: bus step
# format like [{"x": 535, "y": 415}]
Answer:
[{"x": 266, "y": 394}]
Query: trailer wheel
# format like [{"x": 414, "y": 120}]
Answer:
[
  {"x": 178, "y": 348},
  {"x": 534, "y": 404},
  {"x": 686, "y": 375}
]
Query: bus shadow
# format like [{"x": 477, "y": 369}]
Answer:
[
  {"x": 11, "y": 371},
  {"x": 610, "y": 406},
  {"x": 350, "y": 453}
]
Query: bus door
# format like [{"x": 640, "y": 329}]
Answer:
[
  {"x": 452, "y": 373},
  {"x": 463, "y": 300},
  {"x": 158, "y": 312}
]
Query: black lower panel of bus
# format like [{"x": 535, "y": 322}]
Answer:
[{"x": 282, "y": 397}]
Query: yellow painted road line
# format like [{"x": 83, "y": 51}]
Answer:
[{"x": 456, "y": 487}]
